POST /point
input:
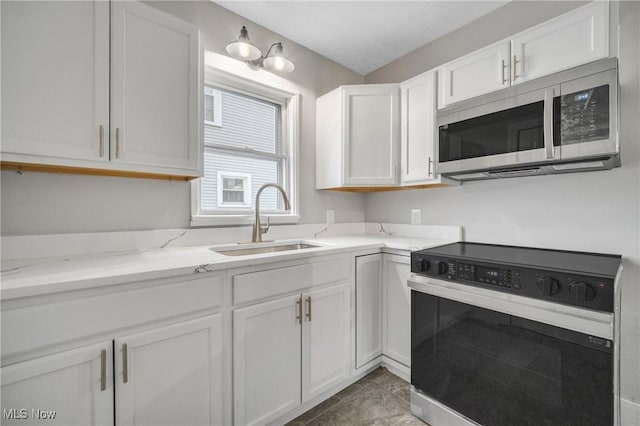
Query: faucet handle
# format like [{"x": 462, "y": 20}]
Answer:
[{"x": 265, "y": 228}]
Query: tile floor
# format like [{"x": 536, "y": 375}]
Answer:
[{"x": 380, "y": 398}]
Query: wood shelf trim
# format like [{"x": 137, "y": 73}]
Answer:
[
  {"x": 44, "y": 168},
  {"x": 385, "y": 188}
]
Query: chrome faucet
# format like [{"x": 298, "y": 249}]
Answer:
[{"x": 258, "y": 230}]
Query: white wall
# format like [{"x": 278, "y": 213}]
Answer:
[
  {"x": 597, "y": 211},
  {"x": 42, "y": 203}
]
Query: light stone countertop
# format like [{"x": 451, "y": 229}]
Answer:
[{"x": 31, "y": 277}]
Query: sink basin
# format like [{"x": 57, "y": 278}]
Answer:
[{"x": 239, "y": 250}]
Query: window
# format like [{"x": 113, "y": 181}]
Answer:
[
  {"x": 234, "y": 189},
  {"x": 249, "y": 136},
  {"x": 212, "y": 107}
]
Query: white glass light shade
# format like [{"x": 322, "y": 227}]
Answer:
[
  {"x": 277, "y": 61},
  {"x": 242, "y": 49}
]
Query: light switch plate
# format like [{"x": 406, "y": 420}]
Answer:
[
  {"x": 331, "y": 216},
  {"x": 416, "y": 216}
]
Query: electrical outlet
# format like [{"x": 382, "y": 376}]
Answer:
[
  {"x": 416, "y": 216},
  {"x": 331, "y": 216}
]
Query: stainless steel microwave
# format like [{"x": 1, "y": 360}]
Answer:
[{"x": 565, "y": 122}]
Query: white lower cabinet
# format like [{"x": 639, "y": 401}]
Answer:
[
  {"x": 368, "y": 308},
  {"x": 266, "y": 360},
  {"x": 325, "y": 340},
  {"x": 287, "y": 351},
  {"x": 397, "y": 308},
  {"x": 169, "y": 375},
  {"x": 77, "y": 385}
]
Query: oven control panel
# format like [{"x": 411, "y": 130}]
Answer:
[{"x": 561, "y": 287}]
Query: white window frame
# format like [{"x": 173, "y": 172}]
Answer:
[
  {"x": 246, "y": 189},
  {"x": 290, "y": 104},
  {"x": 217, "y": 108}
]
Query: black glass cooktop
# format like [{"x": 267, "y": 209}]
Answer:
[{"x": 604, "y": 265}]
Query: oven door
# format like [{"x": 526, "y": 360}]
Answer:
[
  {"x": 517, "y": 130},
  {"x": 498, "y": 368}
]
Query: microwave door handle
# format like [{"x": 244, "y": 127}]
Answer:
[{"x": 548, "y": 122}]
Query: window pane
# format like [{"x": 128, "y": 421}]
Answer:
[
  {"x": 231, "y": 183},
  {"x": 233, "y": 196},
  {"x": 208, "y": 108},
  {"x": 248, "y": 122},
  {"x": 261, "y": 171}
]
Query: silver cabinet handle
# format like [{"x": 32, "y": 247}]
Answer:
[
  {"x": 515, "y": 61},
  {"x": 103, "y": 368},
  {"x": 308, "y": 308},
  {"x": 101, "y": 140},
  {"x": 502, "y": 67},
  {"x": 125, "y": 364},
  {"x": 117, "y": 142},
  {"x": 430, "y": 161},
  {"x": 299, "y": 310}
]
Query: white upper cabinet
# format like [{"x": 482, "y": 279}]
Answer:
[
  {"x": 418, "y": 130},
  {"x": 483, "y": 71},
  {"x": 569, "y": 40},
  {"x": 55, "y": 80},
  {"x": 574, "y": 38},
  {"x": 357, "y": 136},
  {"x": 87, "y": 90},
  {"x": 155, "y": 89}
]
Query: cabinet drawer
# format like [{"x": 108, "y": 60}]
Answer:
[
  {"x": 26, "y": 328},
  {"x": 259, "y": 285}
]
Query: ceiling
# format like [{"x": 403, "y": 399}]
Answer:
[{"x": 361, "y": 35}]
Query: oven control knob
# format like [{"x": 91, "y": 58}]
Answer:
[
  {"x": 441, "y": 267},
  {"x": 422, "y": 265},
  {"x": 548, "y": 286},
  {"x": 582, "y": 292}
]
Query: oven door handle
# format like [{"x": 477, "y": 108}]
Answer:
[
  {"x": 582, "y": 320},
  {"x": 548, "y": 122}
]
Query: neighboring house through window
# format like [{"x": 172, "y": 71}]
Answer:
[{"x": 249, "y": 140}]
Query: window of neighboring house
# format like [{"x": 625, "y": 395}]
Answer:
[
  {"x": 212, "y": 106},
  {"x": 247, "y": 143},
  {"x": 234, "y": 189}
]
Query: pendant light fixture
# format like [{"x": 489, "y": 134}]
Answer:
[{"x": 243, "y": 50}]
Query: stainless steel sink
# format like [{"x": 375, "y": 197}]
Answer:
[{"x": 264, "y": 249}]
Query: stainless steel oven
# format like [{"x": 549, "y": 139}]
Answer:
[
  {"x": 564, "y": 122},
  {"x": 513, "y": 336}
]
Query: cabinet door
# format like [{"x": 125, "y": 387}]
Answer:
[
  {"x": 77, "y": 385},
  {"x": 325, "y": 339},
  {"x": 418, "y": 131},
  {"x": 368, "y": 308},
  {"x": 266, "y": 360},
  {"x": 171, "y": 375},
  {"x": 572, "y": 39},
  {"x": 155, "y": 74},
  {"x": 55, "y": 79},
  {"x": 482, "y": 71},
  {"x": 397, "y": 309},
  {"x": 371, "y": 134}
]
